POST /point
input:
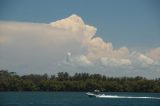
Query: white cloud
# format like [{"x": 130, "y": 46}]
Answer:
[
  {"x": 112, "y": 62},
  {"x": 40, "y": 46},
  {"x": 154, "y": 54},
  {"x": 146, "y": 60},
  {"x": 68, "y": 58},
  {"x": 81, "y": 60},
  {"x": 74, "y": 24}
]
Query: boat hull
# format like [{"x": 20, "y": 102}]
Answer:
[{"x": 91, "y": 94}]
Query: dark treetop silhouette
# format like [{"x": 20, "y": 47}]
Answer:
[{"x": 10, "y": 81}]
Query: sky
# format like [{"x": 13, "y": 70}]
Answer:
[{"x": 110, "y": 37}]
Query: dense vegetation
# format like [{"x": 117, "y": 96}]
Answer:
[{"x": 10, "y": 81}]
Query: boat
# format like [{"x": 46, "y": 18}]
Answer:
[{"x": 96, "y": 93}]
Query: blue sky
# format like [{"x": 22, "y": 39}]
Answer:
[
  {"x": 110, "y": 37},
  {"x": 132, "y": 23}
]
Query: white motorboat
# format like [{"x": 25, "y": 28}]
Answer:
[
  {"x": 91, "y": 94},
  {"x": 96, "y": 93}
]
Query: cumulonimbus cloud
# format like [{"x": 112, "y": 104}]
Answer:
[{"x": 67, "y": 42}]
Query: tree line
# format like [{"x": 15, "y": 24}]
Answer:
[{"x": 10, "y": 81}]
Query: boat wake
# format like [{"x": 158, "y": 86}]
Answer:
[{"x": 115, "y": 96}]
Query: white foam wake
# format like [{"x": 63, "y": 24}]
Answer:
[{"x": 115, "y": 96}]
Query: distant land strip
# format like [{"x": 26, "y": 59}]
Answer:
[{"x": 62, "y": 81}]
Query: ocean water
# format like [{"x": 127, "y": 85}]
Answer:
[{"x": 78, "y": 99}]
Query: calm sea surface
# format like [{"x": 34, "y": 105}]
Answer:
[{"x": 78, "y": 99}]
